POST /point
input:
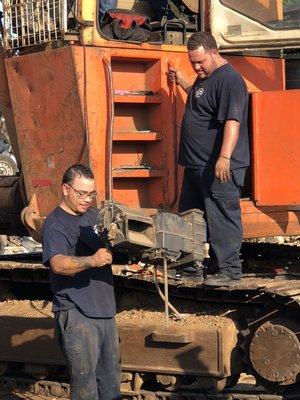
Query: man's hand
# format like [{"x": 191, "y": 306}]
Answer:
[
  {"x": 222, "y": 169},
  {"x": 101, "y": 257},
  {"x": 174, "y": 76}
]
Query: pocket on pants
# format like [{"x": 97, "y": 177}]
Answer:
[
  {"x": 224, "y": 195},
  {"x": 225, "y": 191},
  {"x": 71, "y": 332},
  {"x": 238, "y": 176},
  {"x": 65, "y": 319}
]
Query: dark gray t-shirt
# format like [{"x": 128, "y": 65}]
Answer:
[
  {"x": 211, "y": 102},
  {"x": 91, "y": 290}
]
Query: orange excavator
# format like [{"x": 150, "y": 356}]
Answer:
[{"x": 70, "y": 94}]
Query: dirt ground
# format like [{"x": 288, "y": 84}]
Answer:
[
  {"x": 25, "y": 308},
  {"x": 143, "y": 307},
  {"x": 191, "y": 321},
  {"x": 134, "y": 308},
  {"x": 152, "y": 312}
]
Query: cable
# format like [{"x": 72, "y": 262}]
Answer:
[{"x": 176, "y": 313}]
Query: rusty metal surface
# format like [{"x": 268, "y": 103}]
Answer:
[
  {"x": 275, "y": 352},
  {"x": 172, "y": 337},
  {"x": 268, "y": 221},
  {"x": 31, "y": 340},
  {"x": 186, "y": 350},
  {"x": 209, "y": 353},
  {"x": 25, "y": 339},
  {"x": 49, "y": 119}
]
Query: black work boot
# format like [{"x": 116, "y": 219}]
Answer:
[
  {"x": 192, "y": 272},
  {"x": 219, "y": 279}
]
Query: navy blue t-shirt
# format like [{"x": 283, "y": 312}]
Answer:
[
  {"x": 211, "y": 102},
  {"x": 90, "y": 290}
]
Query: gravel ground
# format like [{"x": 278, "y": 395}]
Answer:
[{"x": 148, "y": 311}]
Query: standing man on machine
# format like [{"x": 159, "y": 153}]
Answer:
[
  {"x": 82, "y": 285},
  {"x": 214, "y": 150},
  {"x": 106, "y": 5}
]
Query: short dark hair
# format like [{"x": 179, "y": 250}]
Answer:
[
  {"x": 204, "y": 39},
  {"x": 77, "y": 170}
]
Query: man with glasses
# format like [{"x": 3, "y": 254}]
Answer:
[{"x": 82, "y": 285}]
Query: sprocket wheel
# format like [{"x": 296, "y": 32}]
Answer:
[{"x": 274, "y": 354}]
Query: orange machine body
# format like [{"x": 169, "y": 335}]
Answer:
[{"x": 112, "y": 107}]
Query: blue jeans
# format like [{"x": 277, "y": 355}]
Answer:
[
  {"x": 220, "y": 203},
  {"x": 106, "y": 5},
  {"x": 91, "y": 348}
]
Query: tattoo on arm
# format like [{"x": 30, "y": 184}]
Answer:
[{"x": 68, "y": 265}]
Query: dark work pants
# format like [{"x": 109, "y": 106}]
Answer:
[
  {"x": 91, "y": 348},
  {"x": 221, "y": 206},
  {"x": 106, "y": 5}
]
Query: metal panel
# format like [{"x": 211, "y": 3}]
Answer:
[
  {"x": 49, "y": 119},
  {"x": 180, "y": 350},
  {"x": 29, "y": 340},
  {"x": 276, "y": 147}
]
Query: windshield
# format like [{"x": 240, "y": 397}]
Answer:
[{"x": 275, "y": 14}]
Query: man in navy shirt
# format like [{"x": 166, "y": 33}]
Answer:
[
  {"x": 214, "y": 150},
  {"x": 82, "y": 285}
]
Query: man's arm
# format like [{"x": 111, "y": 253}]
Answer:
[
  {"x": 180, "y": 79},
  {"x": 70, "y": 266},
  {"x": 230, "y": 138}
]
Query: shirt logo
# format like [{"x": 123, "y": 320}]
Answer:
[{"x": 199, "y": 92}]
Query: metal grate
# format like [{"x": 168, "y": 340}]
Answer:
[{"x": 32, "y": 22}]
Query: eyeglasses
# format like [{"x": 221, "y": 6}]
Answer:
[{"x": 83, "y": 195}]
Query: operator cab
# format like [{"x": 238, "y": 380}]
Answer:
[{"x": 236, "y": 25}]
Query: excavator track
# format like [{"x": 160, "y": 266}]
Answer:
[
  {"x": 264, "y": 309},
  {"x": 61, "y": 390}
]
